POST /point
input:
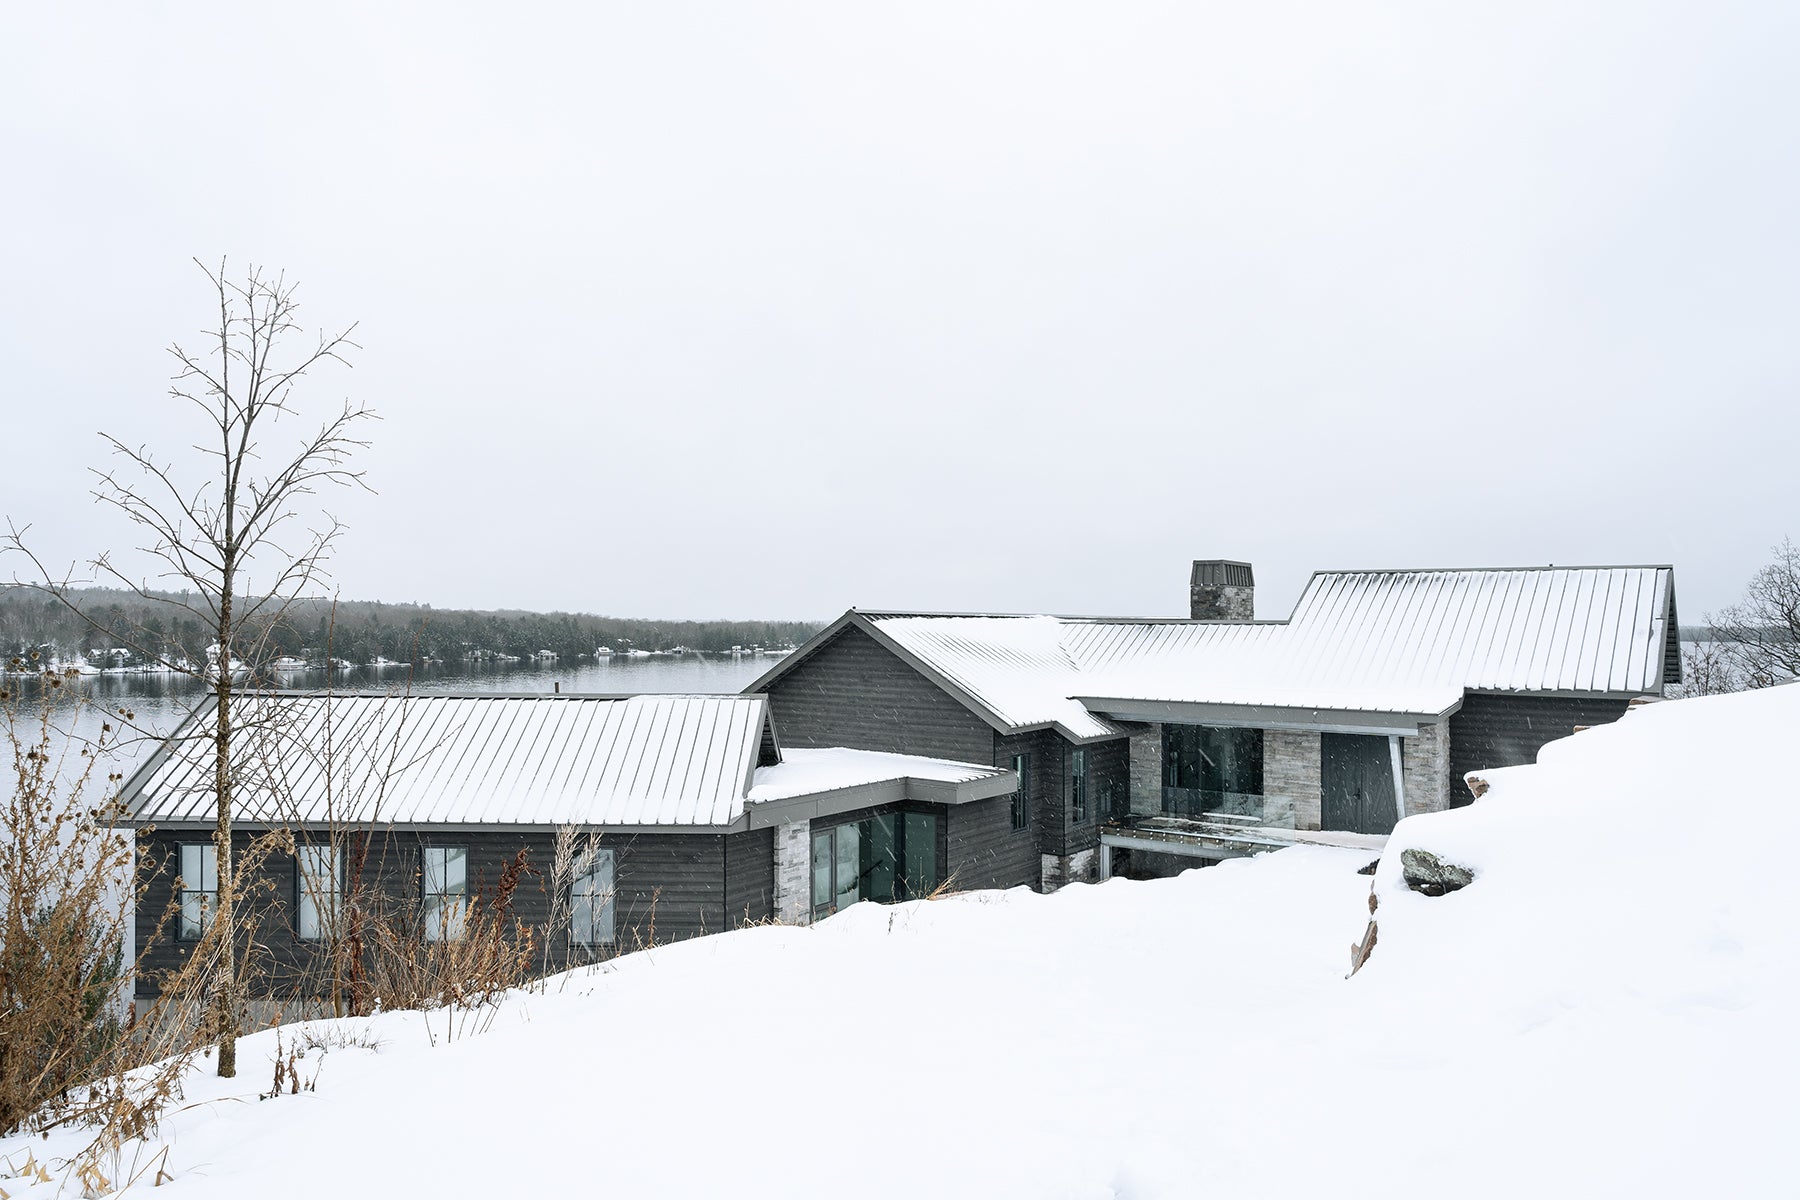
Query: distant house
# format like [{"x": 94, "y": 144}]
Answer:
[
  {"x": 705, "y": 822},
  {"x": 1147, "y": 744}
]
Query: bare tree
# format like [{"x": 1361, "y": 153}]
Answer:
[
  {"x": 1761, "y": 632},
  {"x": 1708, "y": 668},
  {"x": 231, "y": 528}
]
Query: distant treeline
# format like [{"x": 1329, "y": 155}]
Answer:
[
  {"x": 1706, "y": 633},
  {"x": 357, "y": 630}
]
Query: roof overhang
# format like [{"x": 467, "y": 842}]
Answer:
[
  {"x": 762, "y": 814},
  {"x": 433, "y": 828},
  {"x": 1267, "y": 716}
]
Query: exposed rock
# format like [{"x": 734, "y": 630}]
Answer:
[
  {"x": 1360, "y": 951},
  {"x": 1427, "y": 873},
  {"x": 1370, "y": 869}
]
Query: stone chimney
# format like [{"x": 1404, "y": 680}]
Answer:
[{"x": 1221, "y": 590}]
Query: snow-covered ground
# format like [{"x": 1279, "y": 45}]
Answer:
[{"x": 1609, "y": 1010}]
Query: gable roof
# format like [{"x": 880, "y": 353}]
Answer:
[
  {"x": 1013, "y": 672},
  {"x": 313, "y": 758},
  {"x": 1407, "y": 642}
]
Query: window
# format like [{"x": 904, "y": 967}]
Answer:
[
  {"x": 1021, "y": 799},
  {"x": 1212, "y": 769},
  {"x": 199, "y": 889},
  {"x": 1115, "y": 800},
  {"x": 884, "y": 858},
  {"x": 444, "y": 882},
  {"x": 1078, "y": 785},
  {"x": 319, "y": 881},
  {"x": 591, "y": 899}
]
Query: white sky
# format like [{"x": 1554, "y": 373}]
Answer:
[{"x": 768, "y": 310}]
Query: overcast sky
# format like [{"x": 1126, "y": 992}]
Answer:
[{"x": 770, "y": 310}]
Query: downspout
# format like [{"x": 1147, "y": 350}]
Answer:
[{"x": 1399, "y": 777}]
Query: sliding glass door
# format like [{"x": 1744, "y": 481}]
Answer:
[{"x": 888, "y": 857}]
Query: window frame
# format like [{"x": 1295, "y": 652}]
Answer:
[
  {"x": 450, "y": 930},
  {"x": 1022, "y": 802},
  {"x": 900, "y": 829},
  {"x": 208, "y": 862},
  {"x": 1080, "y": 801},
  {"x": 303, "y": 895},
  {"x": 588, "y": 867}
]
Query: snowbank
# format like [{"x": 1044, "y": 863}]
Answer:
[{"x": 1607, "y": 1010}]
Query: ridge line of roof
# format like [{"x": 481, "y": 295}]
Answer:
[
  {"x": 321, "y": 694},
  {"x": 1469, "y": 570},
  {"x": 883, "y": 614}
]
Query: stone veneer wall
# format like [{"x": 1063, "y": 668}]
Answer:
[
  {"x": 1293, "y": 776},
  {"x": 1081, "y": 867},
  {"x": 1145, "y": 750},
  {"x": 793, "y": 872},
  {"x": 1213, "y": 603},
  {"x": 1425, "y": 769}
]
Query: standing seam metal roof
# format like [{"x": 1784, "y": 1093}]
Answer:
[
  {"x": 1391, "y": 641},
  {"x": 504, "y": 760}
]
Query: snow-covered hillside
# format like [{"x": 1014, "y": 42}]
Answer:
[{"x": 1607, "y": 1010}]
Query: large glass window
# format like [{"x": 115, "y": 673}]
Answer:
[
  {"x": 1021, "y": 799},
  {"x": 1212, "y": 769},
  {"x": 318, "y": 881},
  {"x": 199, "y": 897},
  {"x": 1078, "y": 785},
  {"x": 444, "y": 881},
  {"x": 883, "y": 858},
  {"x": 591, "y": 899}
]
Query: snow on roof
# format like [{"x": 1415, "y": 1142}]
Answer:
[
  {"x": 806, "y": 772},
  {"x": 501, "y": 760},
  {"x": 1413, "y": 641},
  {"x": 1403, "y": 642},
  {"x": 1018, "y": 668}
]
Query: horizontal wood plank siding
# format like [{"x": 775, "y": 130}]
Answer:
[
  {"x": 1508, "y": 731},
  {"x": 1109, "y": 765},
  {"x": 749, "y": 877},
  {"x": 1049, "y": 813},
  {"x": 667, "y": 886},
  {"x": 854, "y": 692},
  {"x": 984, "y": 849},
  {"x": 670, "y": 886}
]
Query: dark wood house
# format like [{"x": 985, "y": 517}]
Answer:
[
  {"x": 1144, "y": 744},
  {"x": 897, "y": 752},
  {"x": 687, "y": 814}
]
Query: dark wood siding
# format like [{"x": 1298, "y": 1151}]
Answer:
[
  {"x": 854, "y": 692},
  {"x": 1109, "y": 767},
  {"x": 1049, "y": 815},
  {"x": 1052, "y": 758},
  {"x": 749, "y": 876},
  {"x": 1508, "y": 731},
  {"x": 984, "y": 849},
  {"x": 668, "y": 886}
]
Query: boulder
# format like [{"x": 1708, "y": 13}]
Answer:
[{"x": 1426, "y": 872}]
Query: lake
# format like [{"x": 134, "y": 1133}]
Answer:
[{"x": 159, "y": 702}]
